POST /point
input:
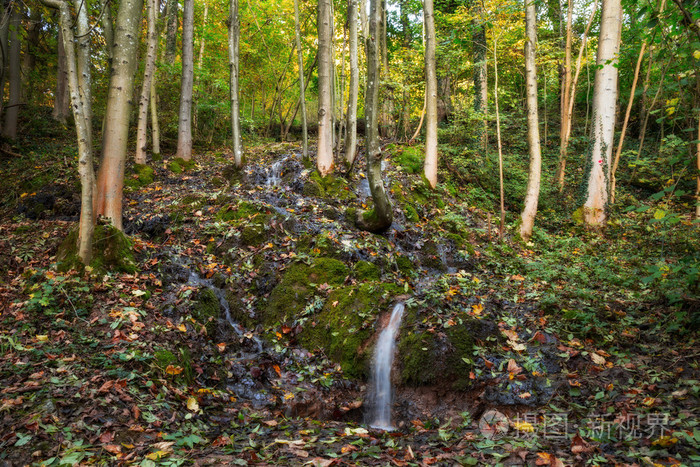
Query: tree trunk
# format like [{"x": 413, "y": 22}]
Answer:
[
  {"x": 498, "y": 139},
  {"x": 82, "y": 124},
  {"x": 184, "y": 127},
  {"x": 431, "y": 150},
  {"x": 480, "y": 75},
  {"x": 29, "y": 62},
  {"x": 565, "y": 128},
  {"x": 533, "y": 132},
  {"x": 110, "y": 179},
  {"x": 61, "y": 97},
  {"x": 324, "y": 162},
  {"x": 12, "y": 113},
  {"x": 5, "y": 13},
  {"x": 149, "y": 70},
  {"x": 302, "y": 87},
  {"x": 171, "y": 30},
  {"x": 108, "y": 30},
  {"x": 378, "y": 219},
  {"x": 603, "y": 125},
  {"x": 155, "y": 127},
  {"x": 697, "y": 158},
  {"x": 84, "y": 62},
  {"x": 202, "y": 40},
  {"x": 351, "y": 132},
  {"x": 234, "y": 31}
]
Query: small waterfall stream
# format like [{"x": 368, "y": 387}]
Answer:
[
  {"x": 382, "y": 361},
  {"x": 274, "y": 176}
]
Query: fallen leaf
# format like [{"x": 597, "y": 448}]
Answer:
[
  {"x": 597, "y": 359},
  {"x": 192, "y": 404},
  {"x": 112, "y": 448}
]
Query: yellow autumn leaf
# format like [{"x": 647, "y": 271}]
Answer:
[
  {"x": 477, "y": 309},
  {"x": 42, "y": 338},
  {"x": 181, "y": 327},
  {"x": 524, "y": 426},
  {"x": 173, "y": 370},
  {"x": 192, "y": 404},
  {"x": 154, "y": 456},
  {"x": 696, "y": 54},
  {"x": 597, "y": 359}
]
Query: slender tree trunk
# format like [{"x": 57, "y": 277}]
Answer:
[
  {"x": 603, "y": 125},
  {"x": 618, "y": 151},
  {"x": 567, "y": 116},
  {"x": 202, "y": 40},
  {"x": 108, "y": 30},
  {"x": 379, "y": 218},
  {"x": 84, "y": 62},
  {"x": 533, "y": 132},
  {"x": 82, "y": 125},
  {"x": 302, "y": 87},
  {"x": 29, "y": 62},
  {"x": 386, "y": 119},
  {"x": 480, "y": 75},
  {"x": 234, "y": 31},
  {"x": 149, "y": 70},
  {"x": 171, "y": 30},
  {"x": 498, "y": 138},
  {"x": 431, "y": 150},
  {"x": 565, "y": 128},
  {"x": 324, "y": 162},
  {"x": 420, "y": 123},
  {"x": 697, "y": 158},
  {"x": 309, "y": 71},
  {"x": 155, "y": 127},
  {"x": 351, "y": 134},
  {"x": 61, "y": 98},
  {"x": 184, "y": 127},
  {"x": 6, "y": 12},
  {"x": 9, "y": 130},
  {"x": 110, "y": 179}
]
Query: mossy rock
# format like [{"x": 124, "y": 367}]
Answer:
[
  {"x": 366, "y": 271},
  {"x": 289, "y": 298},
  {"x": 142, "y": 176},
  {"x": 254, "y": 234},
  {"x": 206, "y": 309},
  {"x": 345, "y": 325},
  {"x": 233, "y": 174},
  {"x": 411, "y": 214},
  {"x": 239, "y": 211},
  {"x": 405, "y": 266},
  {"x": 329, "y": 186},
  {"x": 426, "y": 357},
  {"x": 430, "y": 256},
  {"x": 410, "y": 158},
  {"x": 112, "y": 250},
  {"x": 218, "y": 182},
  {"x": 179, "y": 165}
]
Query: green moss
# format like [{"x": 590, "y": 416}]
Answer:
[
  {"x": 577, "y": 216},
  {"x": 142, "y": 175},
  {"x": 366, "y": 271},
  {"x": 405, "y": 266},
  {"x": 329, "y": 186},
  {"x": 206, "y": 309},
  {"x": 112, "y": 250},
  {"x": 417, "y": 353},
  {"x": 460, "y": 357},
  {"x": 175, "y": 167},
  {"x": 218, "y": 182},
  {"x": 254, "y": 234},
  {"x": 289, "y": 298},
  {"x": 345, "y": 326},
  {"x": 398, "y": 192},
  {"x": 430, "y": 256},
  {"x": 179, "y": 165},
  {"x": 233, "y": 174},
  {"x": 410, "y": 158},
  {"x": 411, "y": 214},
  {"x": 241, "y": 210},
  {"x": 156, "y": 157}
]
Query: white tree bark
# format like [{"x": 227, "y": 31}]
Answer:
[
  {"x": 184, "y": 132},
  {"x": 152, "y": 44},
  {"x": 431, "y": 151},
  {"x": 351, "y": 132},
  {"x": 234, "y": 29},
  {"x": 324, "y": 161},
  {"x": 533, "y": 132},
  {"x": 603, "y": 124}
]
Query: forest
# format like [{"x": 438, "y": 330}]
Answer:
[{"x": 349, "y": 232}]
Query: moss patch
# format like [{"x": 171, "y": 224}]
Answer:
[
  {"x": 179, "y": 165},
  {"x": 345, "y": 325},
  {"x": 142, "y": 175},
  {"x": 206, "y": 309},
  {"x": 329, "y": 186},
  {"x": 112, "y": 250},
  {"x": 410, "y": 158},
  {"x": 366, "y": 271}
]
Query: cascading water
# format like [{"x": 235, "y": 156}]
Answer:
[
  {"x": 274, "y": 177},
  {"x": 381, "y": 372}
]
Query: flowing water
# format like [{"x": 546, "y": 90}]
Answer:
[
  {"x": 381, "y": 372},
  {"x": 274, "y": 176}
]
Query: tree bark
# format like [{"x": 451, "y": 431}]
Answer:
[
  {"x": 184, "y": 127},
  {"x": 149, "y": 70},
  {"x": 498, "y": 139},
  {"x": 378, "y": 219},
  {"x": 533, "y": 132},
  {"x": 234, "y": 31},
  {"x": 110, "y": 179},
  {"x": 108, "y": 30},
  {"x": 12, "y": 112},
  {"x": 351, "y": 132},
  {"x": 302, "y": 87},
  {"x": 565, "y": 127},
  {"x": 603, "y": 125},
  {"x": 431, "y": 150},
  {"x": 202, "y": 40},
  {"x": 29, "y": 62},
  {"x": 61, "y": 98},
  {"x": 6, "y": 12},
  {"x": 324, "y": 162},
  {"x": 480, "y": 75},
  {"x": 155, "y": 127},
  {"x": 82, "y": 125},
  {"x": 171, "y": 30}
]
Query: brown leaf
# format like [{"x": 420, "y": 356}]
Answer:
[
  {"x": 513, "y": 367},
  {"x": 112, "y": 448},
  {"x": 107, "y": 437},
  {"x": 539, "y": 337}
]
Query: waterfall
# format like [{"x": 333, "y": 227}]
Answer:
[
  {"x": 274, "y": 177},
  {"x": 381, "y": 372}
]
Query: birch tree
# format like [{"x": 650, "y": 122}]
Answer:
[
  {"x": 431, "y": 152},
  {"x": 533, "y": 132},
  {"x": 603, "y": 123},
  {"x": 480, "y": 73},
  {"x": 324, "y": 161},
  {"x": 149, "y": 70},
  {"x": 110, "y": 178},
  {"x": 351, "y": 133},
  {"x": 380, "y": 217},
  {"x": 184, "y": 126},
  {"x": 234, "y": 29}
]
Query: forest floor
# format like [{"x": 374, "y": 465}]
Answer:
[{"x": 591, "y": 356}]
